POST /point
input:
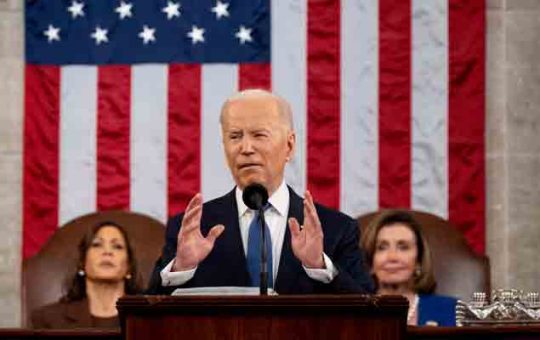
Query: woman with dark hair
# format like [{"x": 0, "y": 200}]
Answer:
[
  {"x": 106, "y": 271},
  {"x": 400, "y": 262}
]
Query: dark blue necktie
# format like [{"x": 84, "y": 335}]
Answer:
[{"x": 254, "y": 251}]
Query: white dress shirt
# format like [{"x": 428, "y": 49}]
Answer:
[{"x": 276, "y": 219}]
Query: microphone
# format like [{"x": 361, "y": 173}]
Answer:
[{"x": 255, "y": 196}]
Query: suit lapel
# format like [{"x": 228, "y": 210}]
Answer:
[
  {"x": 289, "y": 266},
  {"x": 229, "y": 244},
  {"x": 233, "y": 238}
]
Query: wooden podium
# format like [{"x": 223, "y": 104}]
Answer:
[{"x": 263, "y": 317}]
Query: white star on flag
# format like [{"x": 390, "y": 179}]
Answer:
[
  {"x": 100, "y": 35},
  {"x": 52, "y": 33},
  {"x": 221, "y": 9},
  {"x": 147, "y": 34},
  {"x": 244, "y": 34},
  {"x": 76, "y": 9},
  {"x": 196, "y": 34},
  {"x": 172, "y": 9},
  {"x": 124, "y": 10}
]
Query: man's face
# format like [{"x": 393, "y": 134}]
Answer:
[{"x": 257, "y": 141}]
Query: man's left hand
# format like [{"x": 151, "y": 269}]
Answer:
[{"x": 307, "y": 240}]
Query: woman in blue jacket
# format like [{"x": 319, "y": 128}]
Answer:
[{"x": 400, "y": 263}]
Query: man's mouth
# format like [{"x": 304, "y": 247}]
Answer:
[{"x": 248, "y": 165}]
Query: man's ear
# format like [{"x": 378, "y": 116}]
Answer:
[{"x": 291, "y": 144}]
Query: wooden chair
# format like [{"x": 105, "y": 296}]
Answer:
[
  {"x": 44, "y": 275},
  {"x": 458, "y": 270}
]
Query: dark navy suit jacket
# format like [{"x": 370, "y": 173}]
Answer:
[{"x": 226, "y": 263}]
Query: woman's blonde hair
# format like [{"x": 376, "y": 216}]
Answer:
[{"x": 424, "y": 280}]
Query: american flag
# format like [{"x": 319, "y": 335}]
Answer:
[{"x": 122, "y": 99}]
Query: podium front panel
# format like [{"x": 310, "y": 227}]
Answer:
[{"x": 263, "y": 317}]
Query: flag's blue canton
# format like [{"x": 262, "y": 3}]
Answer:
[{"x": 75, "y": 44}]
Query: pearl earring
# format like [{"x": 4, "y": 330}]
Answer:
[
  {"x": 81, "y": 273},
  {"x": 418, "y": 271}
]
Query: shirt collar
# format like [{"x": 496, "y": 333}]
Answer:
[{"x": 279, "y": 200}]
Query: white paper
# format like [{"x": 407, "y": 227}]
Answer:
[{"x": 220, "y": 291}]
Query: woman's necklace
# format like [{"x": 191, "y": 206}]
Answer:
[{"x": 412, "y": 309}]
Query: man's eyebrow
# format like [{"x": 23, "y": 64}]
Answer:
[{"x": 265, "y": 129}]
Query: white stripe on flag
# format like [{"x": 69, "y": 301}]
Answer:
[
  {"x": 78, "y": 107},
  {"x": 219, "y": 81},
  {"x": 430, "y": 106},
  {"x": 148, "y": 139},
  {"x": 359, "y": 107},
  {"x": 289, "y": 77}
]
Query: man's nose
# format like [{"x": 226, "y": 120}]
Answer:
[{"x": 247, "y": 145}]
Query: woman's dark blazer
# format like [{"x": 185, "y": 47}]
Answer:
[{"x": 63, "y": 315}]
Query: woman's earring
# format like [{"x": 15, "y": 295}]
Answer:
[
  {"x": 81, "y": 273},
  {"x": 418, "y": 271},
  {"x": 128, "y": 277}
]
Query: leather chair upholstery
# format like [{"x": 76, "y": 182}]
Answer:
[
  {"x": 45, "y": 274},
  {"x": 458, "y": 270}
]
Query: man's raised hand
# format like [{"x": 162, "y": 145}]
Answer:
[
  {"x": 307, "y": 241},
  {"x": 192, "y": 247}
]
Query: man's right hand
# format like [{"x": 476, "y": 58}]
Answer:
[{"x": 192, "y": 247}]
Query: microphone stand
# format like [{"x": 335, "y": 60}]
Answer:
[{"x": 263, "y": 288}]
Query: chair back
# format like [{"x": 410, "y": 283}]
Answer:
[
  {"x": 45, "y": 275},
  {"x": 458, "y": 270}
]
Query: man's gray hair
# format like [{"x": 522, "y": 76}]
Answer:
[{"x": 285, "y": 108}]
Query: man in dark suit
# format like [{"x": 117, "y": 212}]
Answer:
[{"x": 209, "y": 244}]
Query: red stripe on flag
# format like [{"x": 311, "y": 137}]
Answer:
[
  {"x": 466, "y": 119},
  {"x": 254, "y": 76},
  {"x": 41, "y": 156},
  {"x": 113, "y": 137},
  {"x": 323, "y": 87},
  {"x": 184, "y": 135},
  {"x": 394, "y": 103}
]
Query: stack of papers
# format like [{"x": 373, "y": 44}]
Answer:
[{"x": 251, "y": 291}]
